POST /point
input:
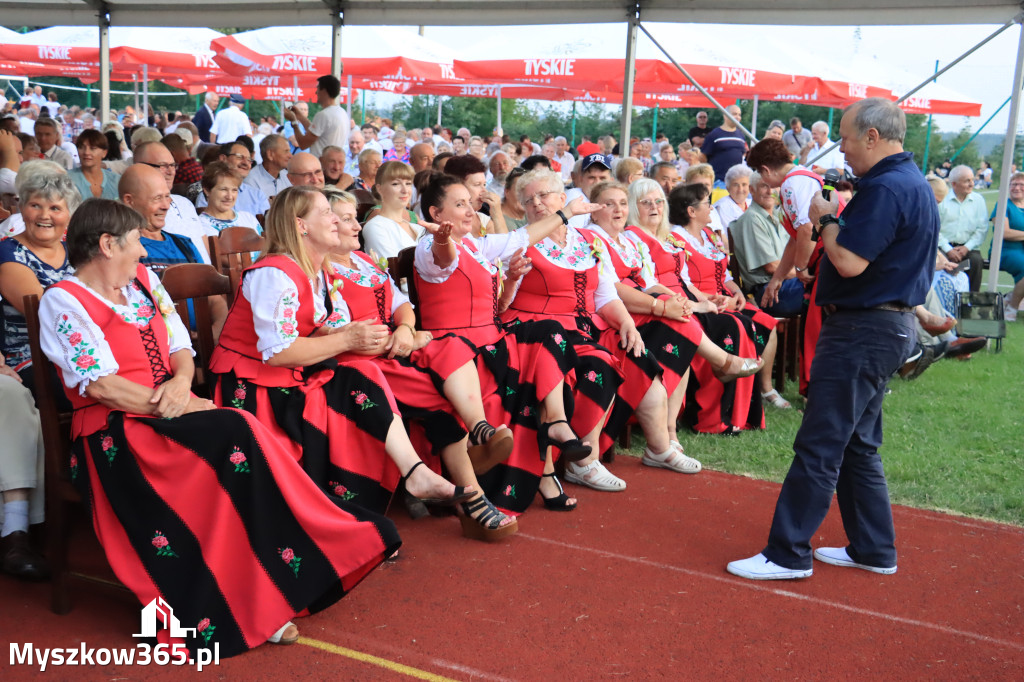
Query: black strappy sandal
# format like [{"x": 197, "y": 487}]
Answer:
[
  {"x": 485, "y": 527},
  {"x": 488, "y": 446},
  {"x": 573, "y": 450},
  {"x": 461, "y": 494},
  {"x": 560, "y": 502}
]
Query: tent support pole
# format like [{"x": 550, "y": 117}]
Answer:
[
  {"x": 363, "y": 107},
  {"x": 700, "y": 88},
  {"x": 1004, "y": 174},
  {"x": 573, "y": 143},
  {"x": 928, "y": 135},
  {"x": 1016, "y": 20},
  {"x": 336, "y": 23},
  {"x": 978, "y": 131},
  {"x": 753, "y": 117},
  {"x": 628, "y": 78},
  {"x": 654, "y": 126},
  {"x": 135, "y": 90},
  {"x": 349, "y": 97},
  {"x": 145, "y": 94},
  {"x": 104, "y": 19},
  {"x": 499, "y": 110},
  {"x": 439, "y": 110}
]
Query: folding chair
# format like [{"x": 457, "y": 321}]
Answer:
[
  {"x": 980, "y": 313},
  {"x": 63, "y": 503}
]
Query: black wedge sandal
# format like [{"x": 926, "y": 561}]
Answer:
[
  {"x": 485, "y": 526},
  {"x": 559, "y": 502},
  {"x": 461, "y": 494},
  {"x": 488, "y": 446},
  {"x": 573, "y": 450}
]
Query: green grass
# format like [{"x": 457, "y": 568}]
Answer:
[{"x": 954, "y": 438}]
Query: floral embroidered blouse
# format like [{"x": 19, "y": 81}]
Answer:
[
  {"x": 489, "y": 248},
  {"x": 213, "y": 226},
  {"x": 633, "y": 252},
  {"x": 275, "y": 303},
  {"x": 77, "y": 337}
]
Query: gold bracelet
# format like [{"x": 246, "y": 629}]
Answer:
[
  {"x": 412, "y": 329},
  {"x": 437, "y": 243}
]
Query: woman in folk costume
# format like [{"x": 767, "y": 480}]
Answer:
[
  {"x": 458, "y": 282},
  {"x": 662, "y": 316},
  {"x": 797, "y": 186},
  {"x": 689, "y": 210},
  {"x": 606, "y": 362},
  {"x": 721, "y": 404},
  {"x": 275, "y": 359},
  {"x": 434, "y": 380},
  {"x": 205, "y": 508}
]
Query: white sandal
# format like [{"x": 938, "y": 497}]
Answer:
[
  {"x": 594, "y": 475},
  {"x": 279, "y": 638},
  {"x": 776, "y": 400},
  {"x": 673, "y": 459}
]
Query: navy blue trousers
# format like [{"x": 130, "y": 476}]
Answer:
[
  {"x": 791, "y": 299},
  {"x": 836, "y": 448}
]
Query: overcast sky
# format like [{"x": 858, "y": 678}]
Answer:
[{"x": 986, "y": 76}]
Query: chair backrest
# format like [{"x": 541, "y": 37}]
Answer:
[
  {"x": 401, "y": 267},
  {"x": 231, "y": 252},
  {"x": 56, "y": 424},
  {"x": 197, "y": 282},
  {"x": 365, "y": 203}
]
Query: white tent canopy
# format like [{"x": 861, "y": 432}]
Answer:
[{"x": 256, "y": 13}]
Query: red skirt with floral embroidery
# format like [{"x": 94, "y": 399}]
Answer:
[
  {"x": 211, "y": 512},
  {"x": 337, "y": 422}
]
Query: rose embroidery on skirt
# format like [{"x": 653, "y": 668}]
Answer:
[
  {"x": 340, "y": 491},
  {"x": 109, "y": 449},
  {"x": 559, "y": 341},
  {"x": 288, "y": 556},
  {"x": 74, "y": 467},
  {"x": 238, "y": 400},
  {"x": 595, "y": 378},
  {"x": 674, "y": 350},
  {"x": 490, "y": 348},
  {"x": 728, "y": 342},
  {"x": 510, "y": 491},
  {"x": 205, "y": 630},
  {"x": 163, "y": 545},
  {"x": 363, "y": 400},
  {"x": 239, "y": 460}
]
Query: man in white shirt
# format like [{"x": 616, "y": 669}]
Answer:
[
  {"x": 181, "y": 216},
  {"x": 250, "y": 199},
  {"x": 964, "y": 217},
  {"x": 356, "y": 142},
  {"x": 564, "y": 157},
  {"x": 231, "y": 122},
  {"x": 499, "y": 167},
  {"x": 49, "y": 137},
  {"x": 819, "y": 143},
  {"x": 270, "y": 176},
  {"x": 36, "y": 96},
  {"x": 330, "y": 126},
  {"x": 370, "y": 141}
]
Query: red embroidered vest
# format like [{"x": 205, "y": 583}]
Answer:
[
  {"x": 372, "y": 304},
  {"x": 668, "y": 265},
  {"x": 141, "y": 354},
  {"x": 466, "y": 303},
  {"x": 553, "y": 292},
  {"x": 623, "y": 272},
  {"x": 708, "y": 274},
  {"x": 236, "y": 349}
]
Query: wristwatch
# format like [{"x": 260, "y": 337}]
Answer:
[
  {"x": 560, "y": 214},
  {"x": 825, "y": 220}
]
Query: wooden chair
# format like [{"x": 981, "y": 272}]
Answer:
[
  {"x": 231, "y": 252},
  {"x": 401, "y": 266},
  {"x": 197, "y": 282},
  {"x": 366, "y": 202},
  {"x": 63, "y": 503}
]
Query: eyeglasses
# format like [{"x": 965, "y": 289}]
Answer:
[
  {"x": 651, "y": 203},
  {"x": 242, "y": 157},
  {"x": 539, "y": 196},
  {"x": 161, "y": 166}
]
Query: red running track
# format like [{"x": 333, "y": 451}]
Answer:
[{"x": 630, "y": 585}]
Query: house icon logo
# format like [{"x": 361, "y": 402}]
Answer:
[{"x": 159, "y": 612}]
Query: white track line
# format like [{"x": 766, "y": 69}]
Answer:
[{"x": 760, "y": 586}]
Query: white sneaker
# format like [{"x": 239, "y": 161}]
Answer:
[
  {"x": 759, "y": 568},
  {"x": 594, "y": 475},
  {"x": 673, "y": 459},
  {"x": 837, "y": 556}
]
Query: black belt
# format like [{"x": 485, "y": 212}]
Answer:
[{"x": 892, "y": 307}]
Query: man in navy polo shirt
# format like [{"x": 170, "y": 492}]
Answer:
[
  {"x": 878, "y": 265},
  {"x": 725, "y": 146}
]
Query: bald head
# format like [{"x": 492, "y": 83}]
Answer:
[
  {"x": 305, "y": 169},
  {"x": 421, "y": 156},
  {"x": 144, "y": 189},
  {"x": 158, "y": 157}
]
